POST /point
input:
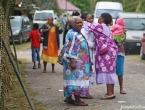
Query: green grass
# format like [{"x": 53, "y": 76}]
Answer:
[
  {"x": 136, "y": 57},
  {"x": 16, "y": 99},
  {"x": 22, "y": 46}
]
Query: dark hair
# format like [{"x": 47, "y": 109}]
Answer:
[
  {"x": 35, "y": 26},
  {"x": 84, "y": 16},
  {"x": 75, "y": 13},
  {"x": 107, "y": 18}
]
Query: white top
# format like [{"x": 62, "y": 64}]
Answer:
[{"x": 89, "y": 37}]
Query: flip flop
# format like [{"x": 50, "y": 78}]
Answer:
[
  {"x": 88, "y": 97},
  {"x": 113, "y": 94},
  {"x": 123, "y": 92},
  {"x": 106, "y": 97}
]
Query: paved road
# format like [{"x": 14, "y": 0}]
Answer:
[{"x": 49, "y": 87}]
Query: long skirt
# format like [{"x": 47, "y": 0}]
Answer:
[{"x": 50, "y": 54}]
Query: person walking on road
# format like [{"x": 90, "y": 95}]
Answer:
[
  {"x": 76, "y": 65},
  {"x": 49, "y": 54},
  {"x": 105, "y": 55},
  {"x": 35, "y": 35}
]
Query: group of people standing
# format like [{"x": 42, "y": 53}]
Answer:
[
  {"x": 50, "y": 34},
  {"x": 91, "y": 48}
]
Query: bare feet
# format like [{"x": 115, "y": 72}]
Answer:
[{"x": 122, "y": 92}]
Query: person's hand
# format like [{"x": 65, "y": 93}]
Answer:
[
  {"x": 45, "y": 30},
  {"x": 73, "y": 65}
]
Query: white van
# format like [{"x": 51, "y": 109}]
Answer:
[
  {"x": 42, "y": 16},
  {"x": 113, "y": 8}
]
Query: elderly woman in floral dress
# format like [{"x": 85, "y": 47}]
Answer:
[{"x": 76, "y": 65}]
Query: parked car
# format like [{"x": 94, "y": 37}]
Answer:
[
  {"x": 135, "y": 26},
  {"x": 20, "y": 28},
  {"x": 142, "y": 50}
]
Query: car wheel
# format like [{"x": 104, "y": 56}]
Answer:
[
  {"x": 20, "y": 39},
  {"x": 142, "y": 55}
]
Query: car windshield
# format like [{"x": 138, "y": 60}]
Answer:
[
  {"x": 113, "y": 13},
  {"x": 134, "y": 23},
  {"x": 42, "y": 16},
  {"x": 15, "y": 22}
]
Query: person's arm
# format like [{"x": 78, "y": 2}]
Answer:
[
  {"x": 71, "y": 49},
  {"x": 30, "y": 34},
  {"x": 113, "y": 28},
  {"x": 44, "y": 29}
]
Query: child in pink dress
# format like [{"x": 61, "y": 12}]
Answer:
[{"x": 118, "y": 31}]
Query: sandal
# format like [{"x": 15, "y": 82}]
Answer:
[
  {"x": 39, "y": 65},
  {"x": 113, "y": 95},
  {"x": 122, "y": 92},
  {"x": 106, "y": 97},
  {"x": 81, "y": 103},
  {"x": 70, "y": 101},
  {"x": 87, "y": 97},
  {"x": 34, "y": 67}
]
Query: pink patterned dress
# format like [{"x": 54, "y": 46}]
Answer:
[{"x": 105, "y": 54}]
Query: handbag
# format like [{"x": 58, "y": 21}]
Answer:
[
  {"x": 41, "y": 40},
  {"x": 60, "y": 57}
]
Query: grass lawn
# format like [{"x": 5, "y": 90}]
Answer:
[
  {"x": 135, "y": 57},
  {"x": 16, "y": 99},
  {"x": 22, "y": 46}
]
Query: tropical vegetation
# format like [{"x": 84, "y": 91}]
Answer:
[{"x": 89, "y": 5}]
